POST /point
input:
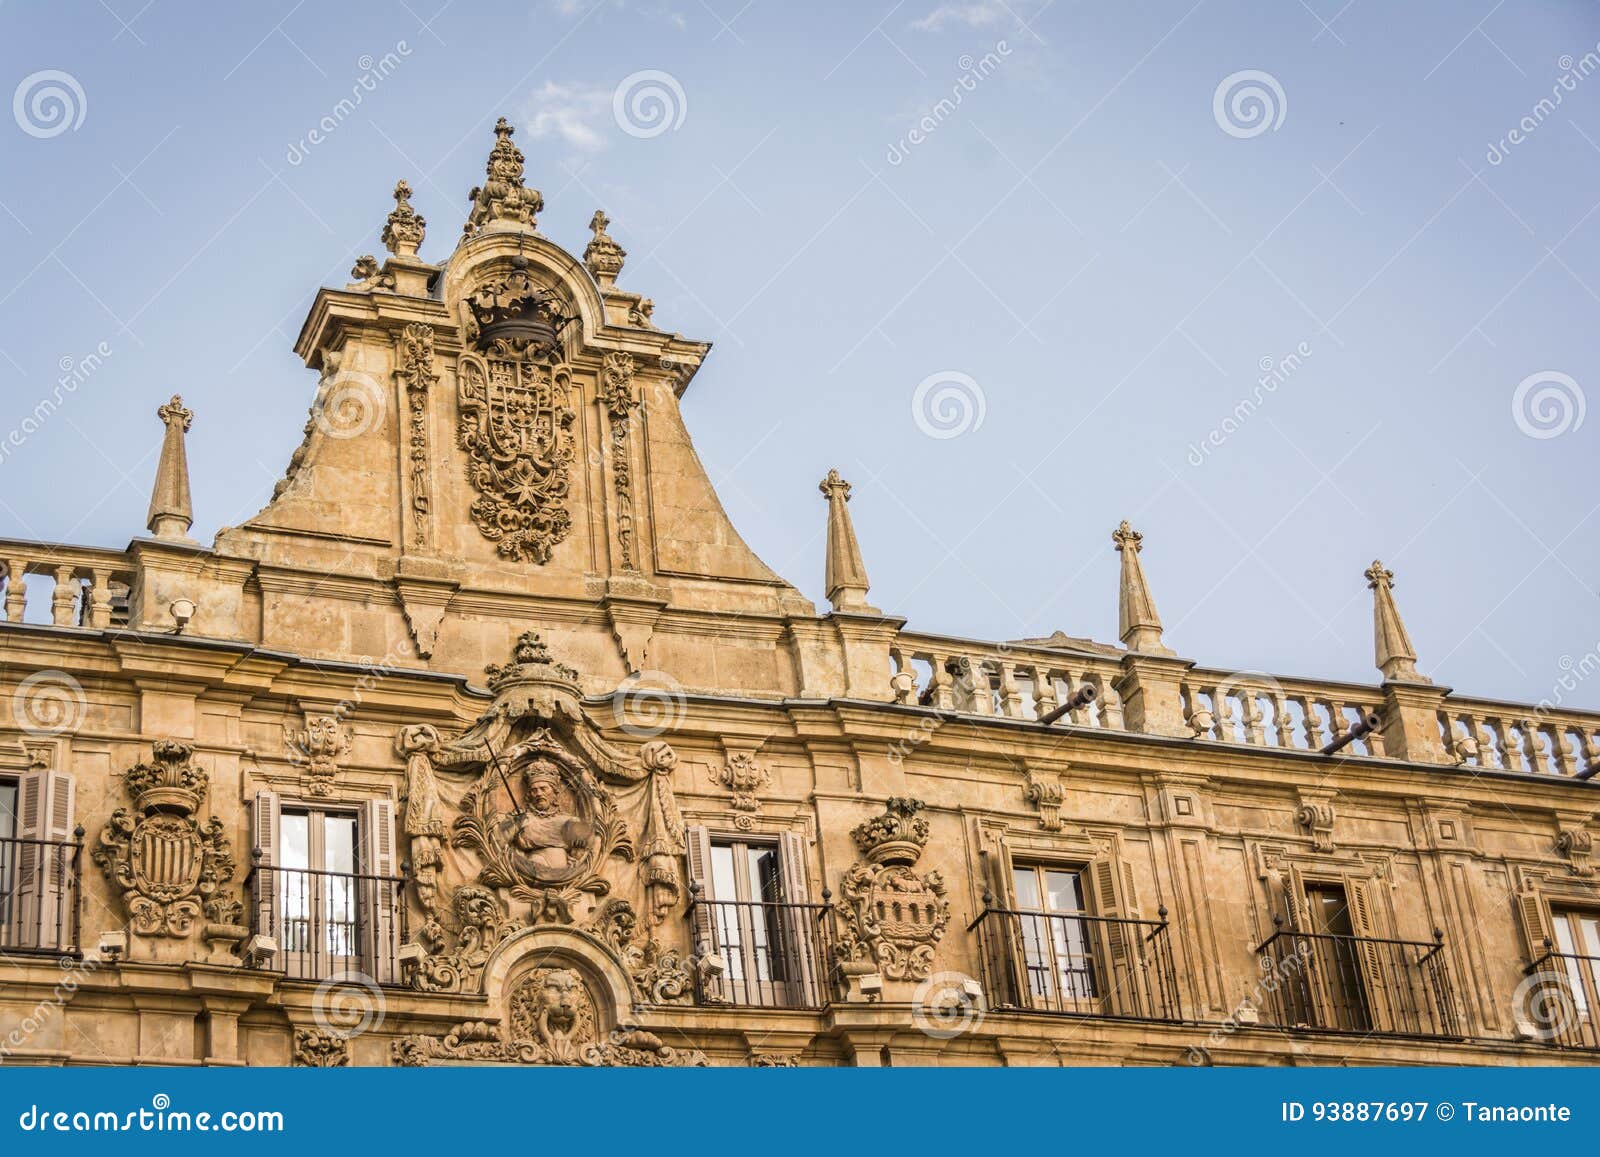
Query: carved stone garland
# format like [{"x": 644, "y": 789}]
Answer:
[
  {"x": 416, "y": 374},
  {"x": 892, "y": 917},
  {"x": 170, "y": 868},
  {"x": 617, "y": 395},
  {"x": 516, "y": 417},
  {"x": 316, "y": 1049}
]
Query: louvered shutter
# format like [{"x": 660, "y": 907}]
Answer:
[
  {"x": 44, "y": 878},
  {"x": 265, "y": 882},
  {"x": 1369, "y": 959},
  {"x": 381, "y": 891},
  {"x": 800, "y": 965},
  {"x": 1111, "y": 905},
  {"x": 698, "y": 841},
  {"x": 1534, "y": 917}
]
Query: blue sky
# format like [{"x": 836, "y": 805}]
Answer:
[{"x": 1095, "y": 248}]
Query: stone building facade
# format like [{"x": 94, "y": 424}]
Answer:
[{"x": 490, "y": 741}]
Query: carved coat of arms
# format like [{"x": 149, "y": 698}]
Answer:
[{"x": 516, "y": 417}]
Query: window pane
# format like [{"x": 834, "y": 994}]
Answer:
[
  {"x": 294, "y": 833},
  {"x": 766, "y": 874},
  {"x": 1066, "y": 891},
  {"x": 8, "y": 810},
  {"x": 1591, "y": 934},
  {"x": 1563, "y": 931},
  {"x": 724, "y": 883},
  {"x": 338, "y": 844},
  {"x": 1026, "y": 881}
]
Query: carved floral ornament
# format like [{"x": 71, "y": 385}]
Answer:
[
  {"x": 892, "y": 917},
  {"x": 530, "y": 820},
  {"x": 170, "y": 868},
  {"x": 318, "y": 747}
]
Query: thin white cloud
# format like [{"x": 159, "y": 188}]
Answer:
[
  {"x": 573, "y": 113},
  {"x": 979, "y": 15}
]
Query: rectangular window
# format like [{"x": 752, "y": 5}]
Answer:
[
  {"x": 318, "y": 893},
  {"x": 747, "y": 883},
  {"x": 1336, "y": 961},
  {"x": 1058, "y": 941},
  {"x": 1577, "y": 940}
]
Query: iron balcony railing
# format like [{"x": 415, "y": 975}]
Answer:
[
  {"x": 40, "y": 896},
  {"x": 1077, "y": 965},
  {"x": 1563, "y": 1001},
  {"x": 761, "y": 954},
  {"x": 1358, "y": 984},
  {"x": 325, "y": 923}
]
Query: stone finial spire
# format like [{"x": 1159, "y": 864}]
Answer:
[
  {"x": 1392, "y": 649},
  {"x": 503, "y": 196},
  {"x": 1137, "y": 622},
  {"x": 603, "y": 255},
  {"x": 405, "y": 228},
  {"x": 171, "y": 515},
  {"x": 846, "y": 577}
]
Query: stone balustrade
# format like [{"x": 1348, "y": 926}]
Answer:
[
  {"x": 1263, "y": 711},
  {"x": 91, "y": 585},
  {"x": 1007, "y": 680},
  {"x": 1518, "y": 737}
]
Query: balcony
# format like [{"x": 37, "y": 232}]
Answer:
[
  {"x": 39, "y": 891},
  {"x": 327, "y": 923},
  {"x": 1563, "y": 1000},
  {"x": 771, "y": 955},
  {"x": 1077, "y": 965},
  {"x": 1358, "y": 984}
]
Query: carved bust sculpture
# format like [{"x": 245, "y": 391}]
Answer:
[{"x": 545, "y": 837}]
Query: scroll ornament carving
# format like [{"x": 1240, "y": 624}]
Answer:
[
  {"x": 318, "y": 747},
  {"x": 1317, "y": 817},
  {"x": 332, "y": 360},
  {"x": 316, "y": 1049},
  {"x": 618, "y": 397},
  {"x": 551, "y": 1021},
  {"x": 893, "y": 917},
  {"x": 774, "y": 1061},
  {"x": 1047, "y": 793},
  {"x": 1577, "y": 844},
  {"x": 515, "y": 419},
  {"x": 171, "y": 869}
]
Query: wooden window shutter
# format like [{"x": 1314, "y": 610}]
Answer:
[
  {"x": 43, "y": 886},
  {"x": 1369, "y": 956},
  {"x": 1294, "y": 901},
  {"x": 799, "y": 923},
  {"x": 381, "y": 893},
  {"x": 1111, "y": 904},
  {"x": 698, "y": 841},
  {"x": 998, "y": 872},
  {"x": 1534, "y": 916},
  {"x": 264, "y": 852}
]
